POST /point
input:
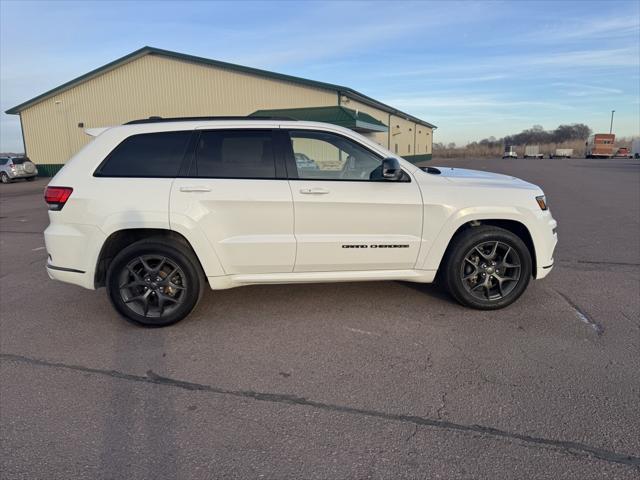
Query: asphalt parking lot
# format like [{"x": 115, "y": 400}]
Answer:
[{"x": 367, "y": 380}]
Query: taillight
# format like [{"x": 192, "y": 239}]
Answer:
[{"x": 56, "y": 197}]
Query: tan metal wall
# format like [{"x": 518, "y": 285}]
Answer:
[
  {"x": 424, "y": 140},
  {"x": 412, "y": 138},
  {"x": 402, "y": 136},
  {"x": 153, "y": 85}
]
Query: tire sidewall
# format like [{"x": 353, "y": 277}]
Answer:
[
  {"x": 185, "y": 261},
  {"x": 464, "y": 244}
]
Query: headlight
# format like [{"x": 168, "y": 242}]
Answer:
[{"x": 542, "y": 202}]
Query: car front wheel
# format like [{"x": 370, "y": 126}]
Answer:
[
  {"x": 154, "y": 284},
  {"x": 487, "y": 268}
]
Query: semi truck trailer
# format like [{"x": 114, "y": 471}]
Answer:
[
  {"x": 600, "y": 145},
  {"x": 532, "y": 151},
  {"x": 562, "y": 153}
]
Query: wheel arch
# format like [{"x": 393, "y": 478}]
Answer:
[
  {"x": 514, "y": 226},
  {"x": 125, "y": 237}
]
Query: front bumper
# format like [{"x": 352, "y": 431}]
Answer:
[
  {"x": 545, "y": 247},
  {"x": 542, "y": 272}
]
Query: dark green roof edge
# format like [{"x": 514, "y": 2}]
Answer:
[{"x": 217, "y": 63}]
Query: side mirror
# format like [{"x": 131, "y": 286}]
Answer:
[{"x": 391, "y": 169}]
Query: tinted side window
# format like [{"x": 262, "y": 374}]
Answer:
[
  {"x": 326, "y": 156},
  {"x": 147, "y": 155},
  {"x": 235, "y": 154},
  {"x": 3, "y": 161}
]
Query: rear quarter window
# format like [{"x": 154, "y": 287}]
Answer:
[{"x": 146, "y": 155}]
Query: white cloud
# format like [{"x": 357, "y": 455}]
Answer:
[
  {"x": 584, "y": 90},
  {"x": 620, "y": 25},
  {"x": 435, "y": 100},
  {"x": 618, "y": 57}
]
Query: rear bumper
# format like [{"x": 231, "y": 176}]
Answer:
[
  {"x": 70, "y": 275},
  {"x": 15, "y": 176},
  {"x": 73, "y": 251}
]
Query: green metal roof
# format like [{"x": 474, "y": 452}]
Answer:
[
  {"x": 345, "y": 117},
  {"x": 216, "y": 63}
]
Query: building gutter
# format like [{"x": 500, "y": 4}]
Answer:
[
  {"x": 370, "y": 126},
  {"x": 24, "y": 142}
]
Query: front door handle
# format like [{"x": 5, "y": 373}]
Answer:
[
  {"x": 195, "y": 189},
  {"x": 314, "y": 191}
]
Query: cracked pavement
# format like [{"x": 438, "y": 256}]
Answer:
[{"x": 368, "y": 380}]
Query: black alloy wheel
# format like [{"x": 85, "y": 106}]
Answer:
[
  {"x": 491, "y": 270},
  {"x": 155, "y": 283},
  {"x": 152, "y": 285},
  {"x": 487, "y": 267}
]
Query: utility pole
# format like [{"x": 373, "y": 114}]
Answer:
[{"x": 611, "y": 126}]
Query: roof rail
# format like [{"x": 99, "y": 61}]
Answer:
[{"x": 155, "y": 119}]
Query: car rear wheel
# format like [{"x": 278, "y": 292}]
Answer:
[
  {"x": 154, "y": 284},
  {"x": 487, "y": 268},
  {"x": 4, "y": 178},
  {"x": 30, "y": 179}
]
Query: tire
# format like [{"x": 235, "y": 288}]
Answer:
[
  {"x": 4, "y": 178},
  {"x": 30, "y": 179},
  {"x": 464, "y": 278},
  {"x": 154, "y": 283}
]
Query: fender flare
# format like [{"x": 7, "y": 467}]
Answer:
[
  {"x": 200, "y": 244},
  {"x": 204, "y": 253},
  {"x": 432, "y": 257}
]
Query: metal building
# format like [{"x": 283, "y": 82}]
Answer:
[{"x": 154, "y": 82}]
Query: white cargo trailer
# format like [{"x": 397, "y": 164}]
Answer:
[
  {"x": 562, "y": 153},
  {"x": 532, "y": 151}
]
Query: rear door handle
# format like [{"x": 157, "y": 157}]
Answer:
[
  {"x": 195, "y": 189},
  {"x": 314, "y": 191}
]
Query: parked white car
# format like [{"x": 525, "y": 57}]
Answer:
[{"x": 156, "y": 209}]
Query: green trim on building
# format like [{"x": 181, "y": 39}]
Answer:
[
  {"x": 415, "y": 159},
  {"x": 48, "y": 169},
  {"x": 342, "y": 116},
  {"x": 216, "y": 63}
]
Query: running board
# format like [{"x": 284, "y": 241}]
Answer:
[{"x": 238, "y": 280}]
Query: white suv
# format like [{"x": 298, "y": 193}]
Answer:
[{"x": 155, "y": 209}]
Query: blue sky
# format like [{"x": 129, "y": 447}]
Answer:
[{"x": 474, "y": 69}]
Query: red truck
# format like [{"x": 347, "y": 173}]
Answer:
[{"x": 623, "y": 152}]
